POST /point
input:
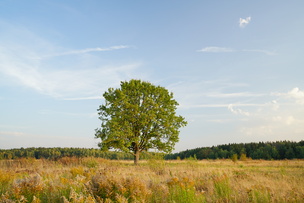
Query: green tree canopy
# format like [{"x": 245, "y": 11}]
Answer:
[{"x": 139, "y": 116}]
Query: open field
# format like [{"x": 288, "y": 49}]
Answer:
[{"x": 100, "y": 180}]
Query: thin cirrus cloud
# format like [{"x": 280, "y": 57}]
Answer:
[
  {"x": 273, "y": 118},
  {"x": 25, "y": 66},
  {"x": 214, "y": 49},
  {"x": 243, "y": 22},
  {"x": 270, "y": 53},
  {"x": 222, "y": 100},
  {"x": 217, "y": 94},
  {"x": 83, "y": 51},
  {"x": 33, "y": 62},
  {"x": 83, "y": 98},
  {"x": 237, "y": 94},
  {"x": 226, "y": 105},
  {"x": 65, "y": 83}
]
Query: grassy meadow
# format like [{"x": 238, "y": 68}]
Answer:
[{"x": 100, "y": 180}]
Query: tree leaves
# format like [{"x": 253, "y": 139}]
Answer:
[{"x": 139, "y": 116}]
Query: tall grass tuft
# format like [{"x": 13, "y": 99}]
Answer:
[
  {"x": 259, "y": 194},
  {"x": 114, "y": 189},
  {"x": 183, "y": 190},
  {"x": 222, "y": 187}
]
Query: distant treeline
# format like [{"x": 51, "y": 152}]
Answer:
[
  {"x": 56, "y": 153},
  {"x": 268, "y": 150},
  {"x": 261, "y": 150}
]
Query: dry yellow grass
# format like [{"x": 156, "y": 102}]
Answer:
[{"x": 99, "y": 180}]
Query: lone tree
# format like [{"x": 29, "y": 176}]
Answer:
[{"x": 138, "y": 116}]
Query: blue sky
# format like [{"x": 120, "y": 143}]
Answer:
[{"x": 235, "y": 67}]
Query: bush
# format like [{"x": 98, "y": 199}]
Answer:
[
  {"x": 243, "y": 157},
  {"x": 234, "y": 158}
]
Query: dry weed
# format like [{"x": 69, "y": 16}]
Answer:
[{"x": 98, "y": 180}]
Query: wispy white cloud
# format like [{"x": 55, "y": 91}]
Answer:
[
  {"x": 281, "y": 118},
  {"x": 236, "y": 94},
  {"x": 275, "y": 105},
  {"x": 270, "y": 53},
  {"x": 188, "y": 106},
  {"x": 227, "y": 105},
  {"x": 62, "y": 83},
  {"x": 83, "y": 98},
  {"x": 220, "y": 120},
  {"x": 78, "y": 74},
  {"x": 237, "y": 110},
  {"x": 213, "y": 94},
  {"x": 25, "y": 66},
  {"x": 215, "y": 49},
  {"x": 83, "y": 51},
  {"x": 229, "y": 50},
  {"x": 244, "y": 21},
  {"x": 295, "y": 94},
  {"x": 274, "y": 127},
  {"x": 254, "y": 116},
  {"x": 69, "y": 114}
]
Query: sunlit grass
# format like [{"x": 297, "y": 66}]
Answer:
[{"x": 100, "y": 180}]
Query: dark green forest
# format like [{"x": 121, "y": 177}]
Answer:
[
  {"x": 262, "y": 150},
  {"x": 56, "y": 153}
]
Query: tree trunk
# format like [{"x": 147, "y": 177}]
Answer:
[{"x": 136, "y": 157}]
